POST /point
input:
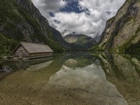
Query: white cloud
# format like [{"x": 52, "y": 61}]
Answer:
[
  {"x": 90, "y": 22},
  {"x": 46, "y": 6}
]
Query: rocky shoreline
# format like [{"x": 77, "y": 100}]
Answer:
[{"x": 5, "y": 68}]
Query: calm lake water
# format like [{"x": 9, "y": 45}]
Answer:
[{"x": 80, "y": 78}]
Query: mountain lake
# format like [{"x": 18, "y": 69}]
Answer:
[{"x": 77, "y": 78}]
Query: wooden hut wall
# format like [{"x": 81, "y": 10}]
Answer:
[
  {"x": 21, "y": 48},
  {"x": 40, "y": 54}
]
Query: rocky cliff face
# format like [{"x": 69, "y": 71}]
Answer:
[
  {"x": 21, "y": 21},
  {"x": 122, "y": 32}
]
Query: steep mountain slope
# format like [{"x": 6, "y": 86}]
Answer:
[
  {"x": 81, "y": 44},
  {"x": 21, "y": 21},
  {"x": 79, "y": 41},
  {"x": 122, "y": 33}
]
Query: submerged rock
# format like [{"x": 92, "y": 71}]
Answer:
[{"x": 5, "y": 69}]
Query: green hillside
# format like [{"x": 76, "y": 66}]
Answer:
[{"x": 20, "y": 20}]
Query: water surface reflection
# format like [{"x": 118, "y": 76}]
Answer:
[
  {"x": 124, "y": 72},
  {"x": 73, "y": 79}
]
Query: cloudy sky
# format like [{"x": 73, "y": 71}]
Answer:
[{"x": 80, "y": 16}]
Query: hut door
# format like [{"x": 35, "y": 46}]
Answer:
[{"x": 20, "y": 55}]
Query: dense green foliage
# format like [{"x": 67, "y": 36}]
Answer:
[
  {"x": 52, "y": 42},
  {"x": 15, "y": 21},
  {"x": 6, "y": 45}
]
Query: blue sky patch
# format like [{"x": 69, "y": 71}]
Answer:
[
  {"x": 72, "y": 6},
  {"x": 51, "y": 14}
]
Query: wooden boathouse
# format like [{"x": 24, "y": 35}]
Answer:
[{"x": 32, "y": 50}]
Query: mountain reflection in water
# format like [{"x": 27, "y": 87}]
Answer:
[{"x": 73, "y": 79}]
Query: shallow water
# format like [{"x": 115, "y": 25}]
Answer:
[{"x": 73, "y": 79}]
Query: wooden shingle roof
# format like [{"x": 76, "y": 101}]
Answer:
[{"x": 36, "y": 48}]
